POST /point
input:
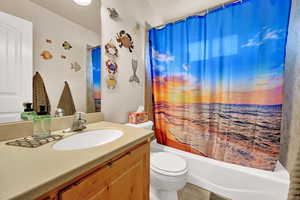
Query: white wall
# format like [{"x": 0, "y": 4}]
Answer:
[
  {"x": 48, "y": 25},
  {"x": 290, "y": 137},
  {"x": 127, "y": 96}
]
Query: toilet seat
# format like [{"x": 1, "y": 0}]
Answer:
[{"x": 168, "y": 164}]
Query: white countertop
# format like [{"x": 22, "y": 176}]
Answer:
[{"x": 27, "y": 173}]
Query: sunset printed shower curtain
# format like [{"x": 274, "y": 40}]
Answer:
[{"x": 217, "y": 82}]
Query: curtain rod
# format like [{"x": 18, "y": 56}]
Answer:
[
  {"x": 91, "y": 48},
  {"x": 202, "y": 12}
]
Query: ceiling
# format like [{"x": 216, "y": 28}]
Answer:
[
  {"x": 86, "y": 16},
  {"x": 172, "y": 9},
  {"x": 89, "y": 16}
]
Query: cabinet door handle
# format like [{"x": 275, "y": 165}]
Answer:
[{"x": 110, "y": 164}]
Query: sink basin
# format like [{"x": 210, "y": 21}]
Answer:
[{"x": 88, "y": 139}]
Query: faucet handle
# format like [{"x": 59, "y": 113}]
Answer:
[
  {"x": 83, "y": 121},
  {"x": 79, "y": 115},
  {"x": 78, "y": 123}
]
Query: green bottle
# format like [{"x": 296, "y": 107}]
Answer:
[
  {"x": 28, "y": 113},
  {"x": 42, "y": 123}
]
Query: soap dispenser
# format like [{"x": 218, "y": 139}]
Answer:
[
  {"x": 42, "y": 123},
  {"x": 28, "y": 113}
]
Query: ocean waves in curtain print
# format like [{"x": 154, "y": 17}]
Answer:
[{"x": 217, "y": 82}]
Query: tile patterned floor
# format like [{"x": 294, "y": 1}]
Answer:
[{"x": 192, "y": 192}]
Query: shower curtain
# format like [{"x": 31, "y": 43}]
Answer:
[
  {"x": 96, "y": 63},
  {"x": 217, "y": 82}
]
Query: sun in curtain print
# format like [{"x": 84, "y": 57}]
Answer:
[{"x": 217, "y": 82}]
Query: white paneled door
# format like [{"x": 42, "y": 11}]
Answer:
[{"x": 15, "y": 66}]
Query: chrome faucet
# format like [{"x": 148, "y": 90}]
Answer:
[{"x": 78, "y": 123}]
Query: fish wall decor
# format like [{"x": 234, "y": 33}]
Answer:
[
  {"x": 113, "y": 13},
  {"x": 67, "y": 46},
  {"x": 76, "y": 66},
  {"x": 49, "y": 41},
  {"x": 134, "y": 77},
  {"x": 46, "y": 55}
]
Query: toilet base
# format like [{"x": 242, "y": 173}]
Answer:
[
  {"x": 162, "y": 194},
  {"x": 168, "y": 195},
  {"x": 153, "y": 194}
]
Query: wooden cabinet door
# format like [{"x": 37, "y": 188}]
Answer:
[
  {"x": 92, "y": 187},
  {"x": 133, "y": 180},
  {"x": 125, "y": 178},
  {"x": 128, "y": 186},
  {"x": 102, "y": 195}
]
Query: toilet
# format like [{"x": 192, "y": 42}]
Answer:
[{"x": 168, "y": 172}]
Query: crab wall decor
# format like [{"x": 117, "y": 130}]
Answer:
[
  {"x": 111, "y": 50},
  {"x": 125, "y": 40}
]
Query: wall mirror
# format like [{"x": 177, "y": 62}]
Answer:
[{"x": 50, "y": 54}]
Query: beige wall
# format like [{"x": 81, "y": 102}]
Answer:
[
  {"x": 48, "y": 25},
  {"x": 127, "y": 96},
  {"x": 290, "y": 141}
]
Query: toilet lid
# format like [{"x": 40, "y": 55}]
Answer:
[{"x": 168, "y": 164}]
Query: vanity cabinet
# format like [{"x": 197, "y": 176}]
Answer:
[{"x": 125, "y": 177}]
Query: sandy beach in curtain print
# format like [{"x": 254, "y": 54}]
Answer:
[
  {"x": 238, "y": 123},
  {"x": 239, "y": 126},
  {"x": 247, "y": 135}
]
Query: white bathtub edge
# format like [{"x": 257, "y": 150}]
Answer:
[{"x": 280, "y": 176}]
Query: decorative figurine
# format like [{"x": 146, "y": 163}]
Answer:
[
  {"x": 111, "y": 81},
  {"x": 111, "y": 50},
  {"x": 124, "y": 39},
  {"x": 111, "y": 66}
]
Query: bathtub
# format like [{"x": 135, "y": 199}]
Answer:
[{"x": 233, "y": 181}]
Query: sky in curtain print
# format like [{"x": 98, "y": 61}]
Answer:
[
  {"x": 244, "y": 57},
  {"x": 96, "y": 62}
]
